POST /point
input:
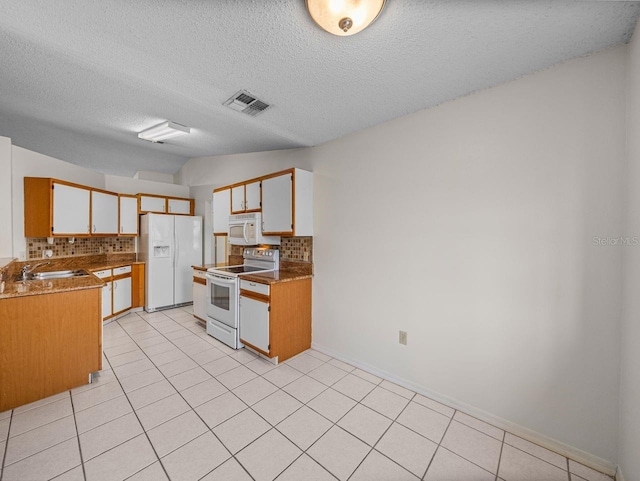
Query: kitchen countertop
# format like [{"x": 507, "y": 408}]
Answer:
[
  {"x": 10, "y": 288},
  {"x": 272, "y": 277}
]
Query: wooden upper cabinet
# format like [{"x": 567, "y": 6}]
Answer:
[
  {"x": 287, "y": 203},
  {"x": 159, "y": 204},
  {"x": 246, "y": 198},
  {"x": 152, "y": 203},
  {"x": 56, "y": 208},
  {"x": 221, "y": 210},
  {"x": 104, "y": 213},
  {"x": 180, "y": 206},
  {"x": 128, "y": 212}
]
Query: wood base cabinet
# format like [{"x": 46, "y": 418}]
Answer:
[
  {"x": 199, "y": 295},
  {"x": 49, "y": 343},
  {"x": 275, "y": 319}
]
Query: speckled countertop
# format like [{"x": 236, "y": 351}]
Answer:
[
  {"x": 273, "y": 277},
  {"x": 289, "y": 271},
  {"x": 10, "y": 287}
]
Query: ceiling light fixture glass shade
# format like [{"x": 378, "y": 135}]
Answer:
[
  {"x": 163, "y": 131},
  {"x": 344, "y": 17}
]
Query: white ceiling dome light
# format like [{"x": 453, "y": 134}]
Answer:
[
  {"x": 344, "y": 17},
  {"x": 163, "y": 131}
]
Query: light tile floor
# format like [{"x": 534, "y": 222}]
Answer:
[{"x": 174, "y": 403}]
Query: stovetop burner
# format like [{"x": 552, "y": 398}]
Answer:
[{"x": 240, "y": 269}]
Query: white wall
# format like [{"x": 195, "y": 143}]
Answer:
[
  {"x": 129, "y": 185},
  {"x": 630, "y": 353},
  {"x": 493, "y": 201},
  {"x": 26, "y": 163},
  {"x": 6, "y": 226}
]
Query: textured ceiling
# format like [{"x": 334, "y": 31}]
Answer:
[{"x": 79, "y": 79}]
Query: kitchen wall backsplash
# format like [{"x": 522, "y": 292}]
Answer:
[
  {"x": 291, "y": 249},
  {"x": 81, "y": 247}
]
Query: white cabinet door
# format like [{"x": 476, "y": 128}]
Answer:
[
  {"x": 179, "y": 206},
  {"x": 106, "y": 300},
  {"x": 153, "y": 204},
  {"x": 221, "y": 211},
  {"x": 104, "y": 213},
  {"x": 254, "y": 323},
  {"x": 252, "y": 196},
  {"x": 277, "y": 205},
  {"x": 121, "y": 294},
  {"x": 199, "y": 301},
  {"x": 70, "y": 210},
  {"x": 237, "y": 199},
  {"x": 128, "y": 215}
]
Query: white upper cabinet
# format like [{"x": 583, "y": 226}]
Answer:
[
  {"x": 245, "y": 198},
  {"x": 128, "y": 215},
  {"x": 287, "y": 204},
  {"x": 221, "y": 211},
  {"x": 237, "y": 199},
  {"x": 104, "y": 213},
  {"x": 277, "y": 205},
  {"x": 179, "y": 206},
  {"x": 149, "y": 203},
  {"x": 252, "y": 196},
  {"x": 70, "y": 210}
]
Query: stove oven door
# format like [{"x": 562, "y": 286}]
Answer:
[{"x": 222, "y": 299}]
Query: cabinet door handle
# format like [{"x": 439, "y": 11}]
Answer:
[
  {"x": 94, "y": 227},
  {"x": 121, "y": 228}
]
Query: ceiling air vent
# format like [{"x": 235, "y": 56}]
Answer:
[{"x": 243, "y": 101}]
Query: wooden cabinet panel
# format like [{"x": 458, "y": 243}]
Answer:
[
  {"x": 276, "y": 319},
  {"x": 49, "y": 344},
  {"x": 137, "y": 285},
  {"x": 104, "y": 213},
  {"x": 128, "y": 205},
  {"x": 70, "y": 210}
]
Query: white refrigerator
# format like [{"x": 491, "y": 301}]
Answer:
[{"x": 169, "y": 245}]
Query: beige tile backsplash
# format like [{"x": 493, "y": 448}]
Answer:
[
  {"x": 291, "y": 249},
  {"x": 82, "y": 246}
]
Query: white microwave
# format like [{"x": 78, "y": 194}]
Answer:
[{"x": 246, "y": 230}]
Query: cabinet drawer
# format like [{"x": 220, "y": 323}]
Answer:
[
  {"x": 199, "y": 273},
  {"x": 103, "y": 274},
  {"x": 255, "y": 287},
  {"x": 118, "y": 271}
]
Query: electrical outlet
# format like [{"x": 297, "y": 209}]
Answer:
[{"x": 402, "y": 338}]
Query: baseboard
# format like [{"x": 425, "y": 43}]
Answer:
[
  {"x": 619, "y": 476},
  {"x": 559, "y": 447}
]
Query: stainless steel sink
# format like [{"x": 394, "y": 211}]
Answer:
[{"x": 42, "y": 276}]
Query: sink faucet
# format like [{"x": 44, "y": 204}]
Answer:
[{"x": 27, "y": 269}]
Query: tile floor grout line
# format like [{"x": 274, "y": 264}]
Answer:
[
  {"x": 75, "y": 424},
  {"x": 6, "y": 446},
  {"x": 203, "y": 421},
  {"x": 504, "y": 435},
  {"x": 439, "y": 444},
  {"x": 143, "y": 430}
]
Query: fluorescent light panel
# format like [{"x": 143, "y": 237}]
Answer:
[{"x": 164, "y": 131}]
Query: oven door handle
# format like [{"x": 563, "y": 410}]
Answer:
[{"x": 220, "y": 280}]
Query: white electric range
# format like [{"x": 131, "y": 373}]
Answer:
[{"x": 223, "y": 292}]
